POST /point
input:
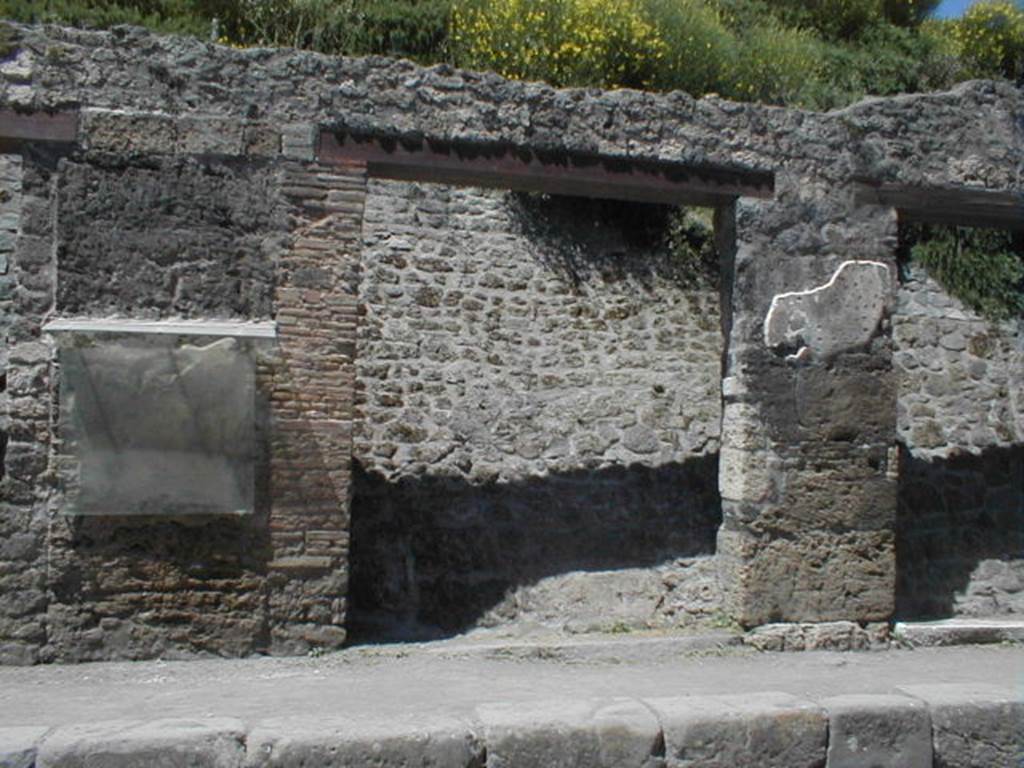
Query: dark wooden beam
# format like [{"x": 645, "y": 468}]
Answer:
[
  {"x": 17, "y": 128},
  {"x": 526, "y": 170},
  {"x": 958, "y": 207}
]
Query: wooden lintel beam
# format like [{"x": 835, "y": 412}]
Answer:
[
  {"x": 957, "y": 207},
  {"x": 17, "y": 128},
  {"x": 519, "y": 169}
]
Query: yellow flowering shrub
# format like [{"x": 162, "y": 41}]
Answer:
[
  {"x": 564, "y": 42},
  {"x": 989, "y": 39},
  {"x": 649, "y": 44}
]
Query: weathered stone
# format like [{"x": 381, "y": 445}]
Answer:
[
  {"x": 773, "y": 730},
  {"x": 114, "y": 131},
  {"x": 18, "y": 746},
  {"x": 205, "y": 255},
  {"x": 209, "y": 743},
  {"x": 820, "y": 636},
  {"x": 879, "y": 731},
  {"x": 817, "y": 575},
  {"x": 973, "y": 726},
  {"x": 420, "y": 741},
  {"x": 571, "y": 734},
  {"x": 960, "y": 631}
]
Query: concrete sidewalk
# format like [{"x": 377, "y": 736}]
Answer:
[{"x": 619, "y": 702}]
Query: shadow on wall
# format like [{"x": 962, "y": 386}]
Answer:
[
  {"x": 430, "y": 555},
  {"x": 960, "y": 535},
  {"x": 580, "y": 239}
]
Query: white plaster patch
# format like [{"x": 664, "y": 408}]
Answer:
[{"x": 842, "y": 314}]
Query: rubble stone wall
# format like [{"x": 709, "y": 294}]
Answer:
[
  {"x": 961, "y": 427},
  {"x": 539, "y": 388},
  {"x": 216, "y": 207}
]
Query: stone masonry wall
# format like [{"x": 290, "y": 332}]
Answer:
[
  {"x": 539, "y": 394},
  {"x": 10, "y": 212},
  {"x": 810, "y": 421},
  {"x": 961, "y": 426},
  {"x": 807, "y": 478},
  {"x": 106, "y": 233},
  {"x": 22, "y": 588},
  {"x": 162, "y": 238}
]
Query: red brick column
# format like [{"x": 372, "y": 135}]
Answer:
[{"x": 311, "y": 406}]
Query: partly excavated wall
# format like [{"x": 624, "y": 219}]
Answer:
[{"x": 188, "y": 185}]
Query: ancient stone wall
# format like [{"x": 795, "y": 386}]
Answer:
[
  {"x": 218, "y": 206},
  {"x": 961, "y": 514},
  {"x": 22, "y": 587},
  {"x": 195, "y": 237},
  {"x": 539, "y": 385}
]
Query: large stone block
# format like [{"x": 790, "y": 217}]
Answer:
[
  {"x": 617, "y": 733},
  {"x": 768, "y": 730},
  {"x": 843, "y": 314},
  {"x": 210, "y": 743},
  {"x": 817, "y": 500},
  {"x": 880, "y": 731},
  {"x": 974, "y": 726},
  {"x": 846, "y": 404},
  {"x": 415, "y": 741},
  {"x": 813, "y": 576}
]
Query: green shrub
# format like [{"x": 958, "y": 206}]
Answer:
[
  {"x": 984, "y": 268},
  {"x": 698, "y": 47},
  {"x": 414, "y": 29},
  {"x": 886, "y": 60},
  {"x": 772, "y": 64},
  {"x": 908, "y": 13},
  {"x": 849, "y": 19},
  {"x": 169, "y": 16},
  {"x": 689, "y": 236},
  {"x": 832, "y": 19}
]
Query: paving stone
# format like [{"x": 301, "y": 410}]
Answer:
[
  {"x": 880, "y": 731},
  {"x": 974, "y": 726},
  {"x": 178, "y": 743},
  {"x": 571, "y": 734},
  {"x": 422, "y": 741},
  {"x": 767, "y": 730},
  {"x": 18, "y": 746}
]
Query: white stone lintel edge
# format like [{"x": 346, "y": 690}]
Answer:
[{"x": 254, "y": 330}]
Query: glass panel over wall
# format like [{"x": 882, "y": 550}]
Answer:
[{"x": 157, "y": 424}]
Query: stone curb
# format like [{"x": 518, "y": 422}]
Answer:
[
  {"x": 959, "y": 632},
  {"x": 590, "y": 649},
  {"x": 953, "y": 726}
]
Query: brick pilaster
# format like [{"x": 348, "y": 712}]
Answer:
[{"x": 311, "y": 406}]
